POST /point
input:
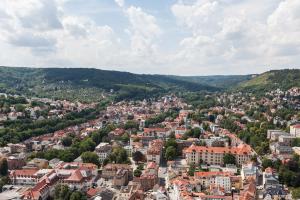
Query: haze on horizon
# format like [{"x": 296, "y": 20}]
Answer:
[{"x": 180, "y": 37}]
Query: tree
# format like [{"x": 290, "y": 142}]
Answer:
[
  {"x": 119, "y": 155},
  {"x": 296, "y": 193},
  {"x": 66, "y": 141},
  {"x": 138, "y": 156},
  {"x": 229, "y": 159},
  {"x": 19, "y": 107},
  {"x": 90, "y": 157},
  {"x": 267, "y": 163},
  {"x": 131, "y": 125},
  {"x": 192, "y": 170},
  {"x": 77, "y": 196},
  {"x": 170, "y": 153},
  {"x": 62, "y": 192},
  {"x": 3, "y": 166},
  {"x": 137, "y": 173}
]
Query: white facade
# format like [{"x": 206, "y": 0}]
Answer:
[
  {"x": 223, "y": 182},
  {"x": 295, "y": 130}
]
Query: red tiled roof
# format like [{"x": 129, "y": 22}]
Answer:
[{"x": 240, "y": 150}]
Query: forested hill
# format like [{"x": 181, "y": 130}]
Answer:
[
  {"x": 271, "y": 80},
  {"x": 89, "y": 84},
  {"x": 219, "y": 81}
]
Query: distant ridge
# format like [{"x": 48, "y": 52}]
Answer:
[{"x": 283, "y": 79}]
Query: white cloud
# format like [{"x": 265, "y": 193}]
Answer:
[
  {"x": 243, "y": 41},
  {"x": 143, "y": 31},
  {"x": 120, "y": 2},
  {"x": 214, "y": 36}
]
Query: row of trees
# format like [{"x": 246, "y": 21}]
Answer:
[{"x": 22, "y": 129}]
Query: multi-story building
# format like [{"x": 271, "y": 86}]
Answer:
[
  {"x": 214, "y": 155},
  {"x": 110, "y": 170},
  {"x": 103, "y": 150},
  {"x": 249, "y": 170},
  {"x": 295, "y": 130},
  {"x": 121, "y": 178},
  {"x": 219, "y": 179},
  {"x": 154, "y": 152}
]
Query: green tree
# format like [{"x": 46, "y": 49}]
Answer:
[
  {"x": 90, "y": 157},
  {"x": 138, "y": 156},
  {"x": 229, "y": 159},
  {"x": 192, "y": 170},
  {"x": 3, "y": 166},
  {"x": 296, "y": 193},
  {"x": 62, "y": 192},
  {"x": 77, "y": 196},
  {"x": 19, "y": 107},
  {"x": 119, "y": 155},
  {"x": 267, "y": 163},
  {"x": 130, "y": 124},
  {"x": 137, "y": 173},
  {"x": 66, "y": 141},
  {"x": 170, "y": 153}
]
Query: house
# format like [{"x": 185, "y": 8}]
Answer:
[
  {"x": 277, "y": 148},
  {"x": 132, "y": 191},
  {"x": 15, "y": 162},
  {"x": 37, "y": 163},
  {"x": 157, "y": 132},
  {"x": 249, "y": 170},
  {"x": 219, "y": 179},
  {"x": 103, "y": 150},
  {"x": 295, "y": 130},
  {"x": 180, "y": 130},
  {"x": 154, "y": 152},
  {"x": 149, "y": 177},
  {"x": 273, "y": 135},
  {"x": 24, "y": 176},
  {"x": 269, "y": 178},
  {"x": 214, "y": 155},
  {"x": 110, "y": 170},
  {"x": 120, "y": 178}
]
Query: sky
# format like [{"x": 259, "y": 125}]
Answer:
[{"x": 180, "y": 37}]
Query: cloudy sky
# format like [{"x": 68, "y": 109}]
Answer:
[{"x": 185, "y": 37}]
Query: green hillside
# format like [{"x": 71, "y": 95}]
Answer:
[
  {"x": 220, "y": 81},
  {"x": 282, "y": 79},
  {"x": 90, "y": 84}
]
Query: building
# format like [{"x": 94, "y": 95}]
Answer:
[
  {"x": 110, "y": 170},
  {"x": 37, "y": 163},
  {"x": 273, "y": 135},
  {"x": 218, "y": 179},
  {"x": 286, "y": 140},
  {"x": 103, "y": 150},
  {"x": 269, "y": 178},
  {"x": 15, "y": 162},
  {"x": 149, "y": 177},
  {"x": 180, "y": 130},
  {"x": 214, "y": 155},
  {"x": 121, "y": 178},
  {"x": 295, "y": 130},
  {"x": 249, "y": 170},
  {"x": 154, "y": 152},
  {"x": 24, "y": 177},
  {"x": 157, "y": 132}
]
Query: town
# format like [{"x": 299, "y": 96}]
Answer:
[{"x": 241, "y": 147}]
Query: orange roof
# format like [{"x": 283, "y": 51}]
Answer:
[
  {"x": 207, "y": 174},
  {"x": 151, "y": 165},
  {"x": 76, "y": 176},
  {"x": 148, "y": 130},
  {"x": 92, "y": 192},
  {"x": 240, "y": 150},
  {"x": 24, "y": 172}
]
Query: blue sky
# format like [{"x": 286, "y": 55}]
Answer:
[{"x": 184, "y": 37}]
